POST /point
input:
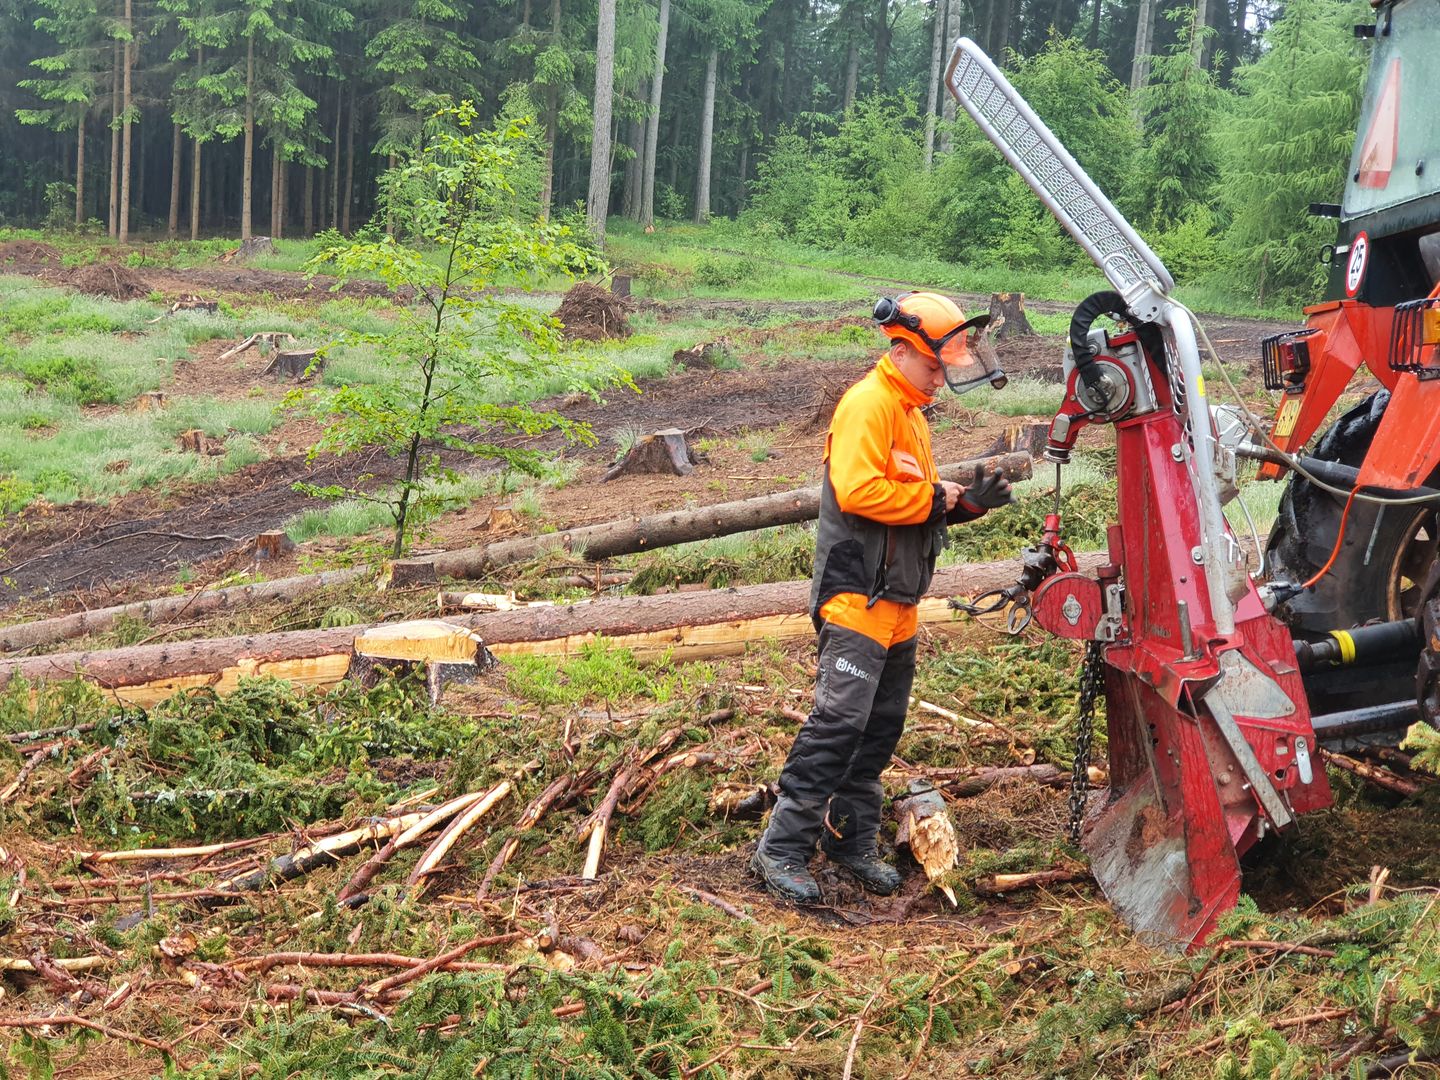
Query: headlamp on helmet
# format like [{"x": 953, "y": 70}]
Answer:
[{"x": 935, "y": 325}]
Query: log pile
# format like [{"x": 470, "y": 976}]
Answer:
[{"x": 683, "y": 626}]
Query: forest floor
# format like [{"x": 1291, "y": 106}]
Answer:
[{"x": 672, "y": 962}]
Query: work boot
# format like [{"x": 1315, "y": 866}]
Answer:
[
  {"x": 789, "y": 879},
  {"x": 878, "y": 876}
]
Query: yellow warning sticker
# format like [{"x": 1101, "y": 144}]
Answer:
[
  {"x": 1289, "y": 413},
  {"x": 1200, "y": 384}
]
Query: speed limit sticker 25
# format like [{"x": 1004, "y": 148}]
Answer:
[{"x": 1359, "y": 260}]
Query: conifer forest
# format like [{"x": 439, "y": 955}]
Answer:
[{"x": 421, "y": 424}]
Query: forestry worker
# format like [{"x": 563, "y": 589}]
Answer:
[{"x": 883, "y": 517}]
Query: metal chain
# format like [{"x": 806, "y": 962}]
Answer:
[{"x": 1092, "y": 685}]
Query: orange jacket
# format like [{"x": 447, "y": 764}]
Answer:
[
  {"x": 878, "y": 450},
  {"x": 882, "y": 511}
]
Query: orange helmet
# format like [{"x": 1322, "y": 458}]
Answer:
[
  {"x": 935, "y": 325},
  {"x": 929, "y": 321}
]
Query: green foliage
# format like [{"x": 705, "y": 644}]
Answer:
[
  {"x": 779, "y": 554},
  {"x": 599, "y": 672},
  {"x": 1287, "y": 144},
  {"x": 206, "y": 767},
  {"x": 1179, "y": 165},
  {"x": 460, "y": 339},
  {"x": 1424, "y": 741}
]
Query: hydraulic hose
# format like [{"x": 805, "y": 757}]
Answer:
[{"x": 1090, "y": 309}]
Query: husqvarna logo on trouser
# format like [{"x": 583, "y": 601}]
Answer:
[{"x": 845, "y": 667}]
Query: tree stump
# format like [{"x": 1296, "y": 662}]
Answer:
[
  {"x": 448, "y": 652},
  {"x": 1021, "y": 438},
  {"x": 501, "y": 517},
  {"x": 295, "y": 364},
  {"x": 620, "y": 285},
  {"x": 664, "y": 451},
  {"x": 150, "y": 401},
  {"x": 256, "y": 245},
  {"x": 709, "y": 354},
  {"x": 192, "y": 441},
  {"x": 272, "y": 545},
  {"x": 1008, "y": 310},
  {"x": 405, "y": 572}
]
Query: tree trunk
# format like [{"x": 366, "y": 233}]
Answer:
[
  {"x": 247, "y": 172},
  {"x": 80, "y": 171},
  {"x": 598, "y": 204},
  {"x": 652, "y": 122},
  {"x": 308, "y": 222},
  {"x": 64, "y": 627},
  {"x": 630, "y": 535},
  {"x": 349, "y": 169},
  {"x": 1092, "y": 40},
  {"x": 195, "y": 191},
  {"x": 882, "y": 43},
  {"x": 1002, "y": 30},
  {"x": 115, "y": 143},
  {"x": 334, "y": 178},
  {"x": 123, "y": 235},
  {"x": 852, "y": 76},
  {"x": 274, "y": 191},
  {"x": 707, "y": 139},
  {"x": 937, "y": 54},
  {"x": 630, "y": 198},
  {"x": 1201, "y": 50},
  {"x": 947, "y": 112},
  {"x": 282, "y": 194},
  {"x": 678, "y": 625},
  {"x": 1140, "y": 64},
  {"x": 177, "y": 161}
]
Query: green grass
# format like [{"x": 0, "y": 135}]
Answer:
[
  {"x": 1022, "y": 396},
  {"x": 725, "y": 258}
]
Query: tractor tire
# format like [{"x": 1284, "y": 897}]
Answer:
[{"x": 1387, "y": 552}]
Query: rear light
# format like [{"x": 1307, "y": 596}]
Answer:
[
  {"x": 1415, "y": 338},
  {"x": 1285, "y": 359}
]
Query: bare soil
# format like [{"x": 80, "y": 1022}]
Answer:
[{"x": 763, "y": 424}]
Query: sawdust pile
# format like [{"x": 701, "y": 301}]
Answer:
[
  {"x": 109, "y": 279},
  {"x": 590, "y": 313},
  {"x": 28, "y": 253}
]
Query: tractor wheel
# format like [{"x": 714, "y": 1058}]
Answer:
[{"x": 1387, "y": 551}]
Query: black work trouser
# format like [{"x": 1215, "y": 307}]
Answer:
[{"x": 862, "y": 693}]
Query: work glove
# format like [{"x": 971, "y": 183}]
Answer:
[{"x": 986, "y": 491}]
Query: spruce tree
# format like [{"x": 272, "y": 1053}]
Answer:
[{"x": 1287, "y": 144}]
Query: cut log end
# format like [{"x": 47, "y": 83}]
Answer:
[{"x": 404, "y": 573}]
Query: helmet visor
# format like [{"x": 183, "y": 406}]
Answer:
[{"x": 965, "y": 368}]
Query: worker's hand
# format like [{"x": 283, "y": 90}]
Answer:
[
  {"x": 987, "y": 491},
  {"x": 953, "y": 492}
]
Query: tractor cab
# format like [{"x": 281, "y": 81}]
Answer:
[{"x": 1388, "y": 247}]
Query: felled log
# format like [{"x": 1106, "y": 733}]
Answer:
[
  {"x": 1010, "y": 307},
  {"x": 63, "y": 627},
  {"x": 719, "y": 622},
  {"x": 627, "y": 536},
  {"x": 295, "y": 364},
  {"x": 926, "y": 829},
  {"x": 665, "y": 451}
]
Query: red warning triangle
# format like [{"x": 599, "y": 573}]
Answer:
[{"x": 1377, "y": 153}]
